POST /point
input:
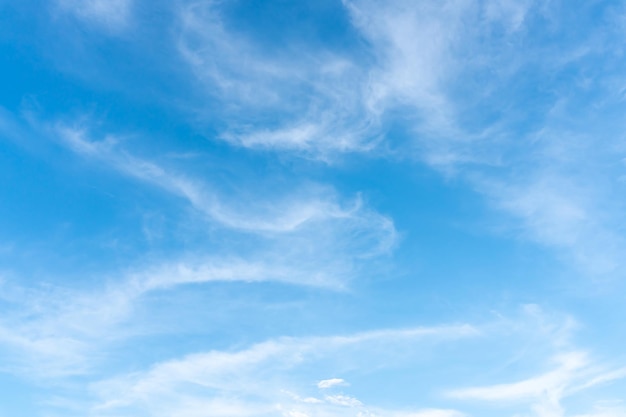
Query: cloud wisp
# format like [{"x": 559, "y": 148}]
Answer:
[
  {"x": 228, "y": 382},
  {"x": 56, "y": 332},
  {"x": 309, "y": 234},
  {"x": 450, "y": 72},
  {"x": 111, "y": 15},
  {"x": 316, "y": 97},
  {"x": 284, "y": 216},
  {"x": 230, "y": 253},
  {"x": 559, "y": 371},
  {"x": 545, "y": 393},
  {"x": 306, "y": 239}
]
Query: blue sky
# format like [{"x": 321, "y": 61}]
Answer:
[{"x": 223, "y": 208}]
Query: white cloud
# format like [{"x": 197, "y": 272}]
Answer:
[
  {"x": 426, "y": 413},
  {"x": 310, "y": 238},
  {"x": 605, "y": 410},
  {"x": 55, "y": 332},
  {"x": 343, "y": 400},
  {"x": 552, "y": 178},
  {"x": 332, "y": 382},
  {"x": 110, "y": 14},
  {"x": 419, "y": 52},
  {"x": 544, "y": 394},
  {"x": 296, "y": 414},
  {"x": 322, "y": 104},
  {"x": 232, "y": 377},
  {"x": 557, "y": 212},
  {"x": 285, "y": 364},
  {"x": 511, "y": 12},
  {"x": 316, "y": 99},
  {"x": 549, "y": 385},
  {"x": 285, "y": 215},
  {"x": 547, "y": 370},
  {"x": 413, "y": 45}
]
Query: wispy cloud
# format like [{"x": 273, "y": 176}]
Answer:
[
  {"x": 413, "y": 45},
  {"x": 606, "y": 410},
  {"x": 556, "y": 211},
  {"x": 322, "y": 103},
  {"x": 332, "y": 382},
  {"x": 520, "y": 102},
  {"x": 111, "y": 15},
  {"x": 309, "y": 238},
  {"x": 313, "y": 102},
  {"x": 283, "y": 216},
  {"x": 52, "y": 332},
  {"x": 544, "y": 393},
  {"x": 455, "y": 74},
  {"x": 565, "y": 373},
  {"x": 545, "y": 171},
  {"x": 549, "y": 385},
  {"x": 420, "y": 51},
  {"x": 228, "y": 381}
]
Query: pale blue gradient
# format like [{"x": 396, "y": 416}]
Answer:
[{"x": 312, "y": 209}]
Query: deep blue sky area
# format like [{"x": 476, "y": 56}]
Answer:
[{"x": 335, "y": 208}]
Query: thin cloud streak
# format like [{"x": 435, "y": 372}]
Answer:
[
  {"x": 318, "y": 98},
  {"x": 419, "y": 52},
  {"x": 520, "y": 102},
  {"x": 544, "y": 394},
  {"x": 223, "y": 375},
  {"x": 286, "y": 215},
  {"x": 111, "y": 15},
  {"x": 309, "y": 239},
  {"x": 63, "y": 332}
]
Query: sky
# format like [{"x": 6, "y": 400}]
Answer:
[{"x": 329, "y": 208}]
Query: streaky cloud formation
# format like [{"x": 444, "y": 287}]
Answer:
[
  {"x": 319, "y": 97},
  {"x": 419, "y": 53},
  {"x": 231, "y": 375},
  {"x": 328, "y": 383},
  {"x": 289, "y": 218},
  {"x": 222, "y": 378},
  {"x": 335, "y": 208},
  {"x": 113, "y": 15}
]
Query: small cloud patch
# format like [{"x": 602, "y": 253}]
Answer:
[{"x": 329, "y": 383}]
